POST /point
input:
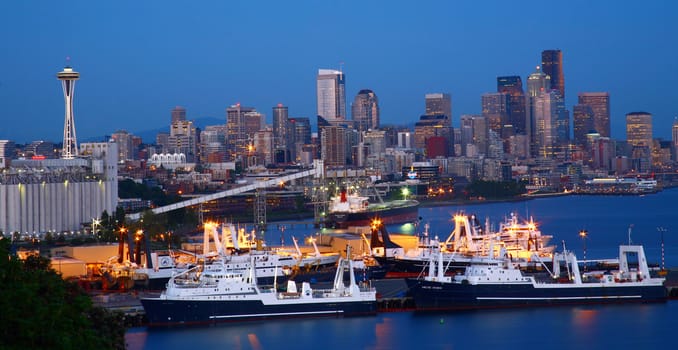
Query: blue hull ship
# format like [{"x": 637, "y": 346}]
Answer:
[{"x": 496, "y": 283}]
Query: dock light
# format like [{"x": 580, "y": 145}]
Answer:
[{"x": 583, "y": 234}]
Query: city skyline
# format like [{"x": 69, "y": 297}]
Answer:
[{"x": 137, "y": 65}]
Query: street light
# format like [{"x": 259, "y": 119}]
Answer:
[
  {"x": 661, "y": 231},
  {"x": 583, "y": 234},
  {"x": 406, "y": 191}
]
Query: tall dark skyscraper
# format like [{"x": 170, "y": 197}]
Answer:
[
  {"x": 495, "y": 108},
  {"x": 302, "y": 130},
  {"x": 365, "y": 110},
  {"x": 513, "y": 86},
  {"x": 552, "y": 65},
  {"x": 583, "y": 123},
  {"x": 283, "y": 135},
  {"x": 600, "y": 104}
]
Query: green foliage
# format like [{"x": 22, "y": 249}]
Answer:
[
  {"x": 495, "y": 189},
  {"x": 42, "y": 311}
]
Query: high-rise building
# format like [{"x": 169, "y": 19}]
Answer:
[
  {"x": 552, "y": 65},
  {"x": 68, "y": 78},
  {"x": 538, "y": 82},
  {"x": 263, "y": 147},
  {"x": 213, "y": 144},
  {"x": 674, "y": 139},
  {"x": 495, "y": 108},
  {"x": 639, "y": 129},
  {"x": 302, "y": 130},
  {"x": 365, "y": 110},
  {"x": 241, "y": 124},
  {"x": 331, "y": 96},
  {"x": 283, "y": 135},
  {"x": 583, "y": 123},
  {"x": 125, "y": 145},
  {"x": 600, "y": 104},
  {"x": 513, "y": 86},
  {"x": 439, "y": 103},
  {"x": 639, "y": 137},
  {"x": 544, "y": 137},
  {"x": 430, "y": 126},
  {"x": 562, "y": 121},
  {"x": 333, "y": 145},
  {"x": 473, "y": 133},
  {"x": 178, "y": 114},
  {"x": 183, "y": 139},
  {"x": 375, "y": 141}
]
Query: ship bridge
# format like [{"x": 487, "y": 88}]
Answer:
[{"x": 317, "y": 171}]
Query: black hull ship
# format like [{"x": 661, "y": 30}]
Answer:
[
  {"x": 350, "y": 210},
  {"x": 215, "y": 294},
  {"x": 496, "y": 283}
]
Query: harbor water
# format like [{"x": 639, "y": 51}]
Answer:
[{"x": 609, "y": 221}]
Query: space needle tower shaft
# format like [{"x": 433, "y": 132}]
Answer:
[{"x": 70, "y": 146}]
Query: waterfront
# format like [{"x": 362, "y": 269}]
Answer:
[
  {"x": 592, "y": 327},
  {"x": 607, "y": 220}
]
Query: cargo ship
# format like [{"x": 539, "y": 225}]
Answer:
[
  {"x": 497, "y": 283},
  {"x": 347, "y": 210},
  {"x": 215, "y": 294}
]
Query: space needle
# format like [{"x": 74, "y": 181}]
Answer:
[{"x": 68, "y": 77}]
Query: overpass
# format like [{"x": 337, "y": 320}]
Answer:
[{"x": 317, "y": 171}]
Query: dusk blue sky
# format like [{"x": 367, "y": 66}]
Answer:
[{"x": 139, "y": 59}]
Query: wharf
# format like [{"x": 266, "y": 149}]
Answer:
[{"x": 391, "y": 297}]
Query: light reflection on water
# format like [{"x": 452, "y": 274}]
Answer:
[{"x": 592, "y": 327}]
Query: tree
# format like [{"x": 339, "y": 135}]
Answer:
[{"x": 42, "y": 311}]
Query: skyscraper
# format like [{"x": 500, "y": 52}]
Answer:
[
  {"x": 545, "y": 121},
  {"x": 439, "y": 103},
  {"x": 365, "y": 110},
  {"x": 495, "y": 108},
  {"x": 473, "y": 135},
  {"x": 538, "y": 84},
  {"x": 639, "y": 129},
  {"x": 583, "y": 123},
  {"x": 331, "y": 96},
  {"x": 70, "y": 146},
  {"x": 283, "y": 134},
  {"x": 600, "y": 104},
  {"x": 513, "y": 86},
  {"x": 674, "y": 139},
  {"x": 178, "y": 114},
  {"x": 552, "y": 65},
  {"x": 333, "y": 145},
  {"x": 241, "y": 124}
]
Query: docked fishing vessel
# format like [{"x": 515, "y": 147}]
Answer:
[
  {"x": 352, "y": 209},
  {"x": 492, "y": 283},
  {"x": 518, "y": 240},
  {"x": 214, "y": 293}
]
